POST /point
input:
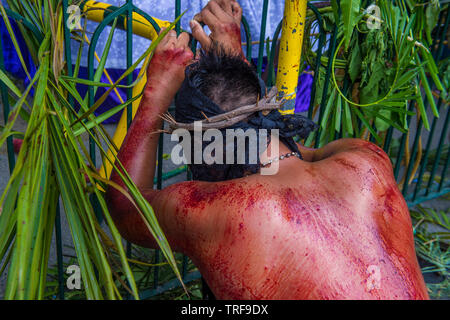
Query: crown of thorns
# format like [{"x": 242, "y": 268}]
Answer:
[{"x": 229, "y": 118}]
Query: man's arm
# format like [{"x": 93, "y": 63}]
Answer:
[{"x": 138, "y": 152}]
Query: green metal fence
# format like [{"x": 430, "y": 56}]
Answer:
[{"x": 429, "y": 181}]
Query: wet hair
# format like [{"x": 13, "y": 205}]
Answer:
[{"x": 226, "y": 79}]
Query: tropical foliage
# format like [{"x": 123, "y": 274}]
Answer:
[
  {"x": 381, "y": 63},
  {"x": 431, "y": 234},
  {"x": 54, "y": 163}
]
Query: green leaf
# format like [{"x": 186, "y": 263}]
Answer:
[
  {"x": 10, "y": 84},
  {"x": 350, "y": 12},
  {"x": 426, "y": 87},
  {"x": 338, "y": 114},
  {"x": 354, "y": 68},
  {"x": 335, "y": 8},
  {"x": 348, "y": 119},
  {"x": 384, "y": 120},
  {"x": 327, "y": 111},
  {"x": 367, "y": 124},
  {"x": 13, "y": 39},
  {"x": 95, "y": 83},
  {"x": 16, "y": 109},
  {"x": 105, "y": 115},
  {"x": 431, "y": 18},
  {"x": 421, "y": 108},
  {"x": 310, "y": 139},
  {"x": 378, "y": 72},
  {"x": 369, "y": 95},
  {"x": 406, "y": 78},
  {"x": 433, "y": 70},
  {"x": 102, "y": 63}
]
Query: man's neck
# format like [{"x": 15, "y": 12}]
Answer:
[{"x": 274, "y": 150}]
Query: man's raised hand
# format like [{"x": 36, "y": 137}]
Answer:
[
  {"x": 223, "y": 17},
  {"x": 169, "y": 61}
]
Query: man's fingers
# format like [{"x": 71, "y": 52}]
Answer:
[
  {"x": 209, "y": 19},
  {"x": 197, "y": 54},
  {"x": 199, "y": 34},
  {"x": 226, "y": 6},
  {"x": 237, "y": 10},
  {"x": 183, "y": 40},
  {"x": 171, "y": 36},
  {"x": 168, "y": 38},
  {"x": 163, "y": 40},
  {"x": 198, "y": 17},
  {"x": 172, "y": 33},
  {"x": 161, "y": 30},
  {"x": 218, "y": 11}
]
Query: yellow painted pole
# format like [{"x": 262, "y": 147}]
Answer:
[
  {"x": 290, "y": 52},
  {"x": 96, "y": 11}
]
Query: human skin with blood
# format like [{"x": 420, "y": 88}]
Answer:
[
  {"x": 223, "y": 17},
  {"x": 331, "y": 226}
]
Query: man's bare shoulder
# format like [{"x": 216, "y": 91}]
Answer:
[
  {"x": 364, "y": 149},
  {"x": 353, "y": 157}
]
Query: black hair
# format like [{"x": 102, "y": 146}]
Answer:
[
  {"x": 226, "y": 79},
  {"x": 220, "y": 82}
]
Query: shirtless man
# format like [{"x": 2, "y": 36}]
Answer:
[{"x": 331, "y": 226}]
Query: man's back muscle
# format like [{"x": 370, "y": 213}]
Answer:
[{"x": 332, "y": 229}]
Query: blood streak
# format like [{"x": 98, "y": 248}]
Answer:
[
  {"x": 346, "y": 163},
  {"x": 293, "y": 206},
  {"x": 168, "y": 57}
]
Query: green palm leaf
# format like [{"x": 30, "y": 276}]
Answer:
[
  {"x": 54, "y": 164},
  {"x": 350, "y": 13}
]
